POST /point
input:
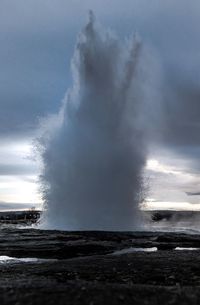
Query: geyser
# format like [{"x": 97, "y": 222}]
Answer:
[{"x": 93, "y": 151}]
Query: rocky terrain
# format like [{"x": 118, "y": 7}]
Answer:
[{"x": 55, "y": 267}]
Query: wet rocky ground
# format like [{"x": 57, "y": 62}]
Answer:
[{"x": 91, "y": 268}]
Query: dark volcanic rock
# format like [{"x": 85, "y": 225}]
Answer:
[
  {"x": 86, "y": 271},
  {"x": 62, "y": 245}
]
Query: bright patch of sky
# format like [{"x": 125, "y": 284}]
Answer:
[
  {"x": 18, "y": 175},
  {"x": 172, "y": 184}
]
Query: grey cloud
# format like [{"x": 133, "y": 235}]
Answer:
[
  {"x": 182, "y": 113},
  {"x": 17, "y": 169},
  {"x": 7, "y": 206},
  {"x": 193, "y": 193},
  {"x": 37, "y": 39}
]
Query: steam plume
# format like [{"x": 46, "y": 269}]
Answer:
[{"x": 94, "y": 155}]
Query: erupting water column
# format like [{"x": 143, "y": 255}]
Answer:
[{"x": 94, "y": 155}]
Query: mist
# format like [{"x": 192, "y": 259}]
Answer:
[{"x": 94, "y": 150}]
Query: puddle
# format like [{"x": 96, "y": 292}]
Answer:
[
  {"x": 152, "y": 249},
  {"x": 187, "y": 249},
  {"x": 8, "y": 259},
  {"x": 132, "y": 250}
]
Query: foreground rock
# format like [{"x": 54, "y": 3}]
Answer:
[
  {"x": 86, "y": 271},
  {"x": 62, "y": 244}
]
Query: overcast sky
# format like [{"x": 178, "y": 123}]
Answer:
[{"x": 37, "y": 39}]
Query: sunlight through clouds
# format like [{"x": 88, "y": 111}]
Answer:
[
  {"x": 170, "y": 185},
  {"x": 18, "y": 174}
]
